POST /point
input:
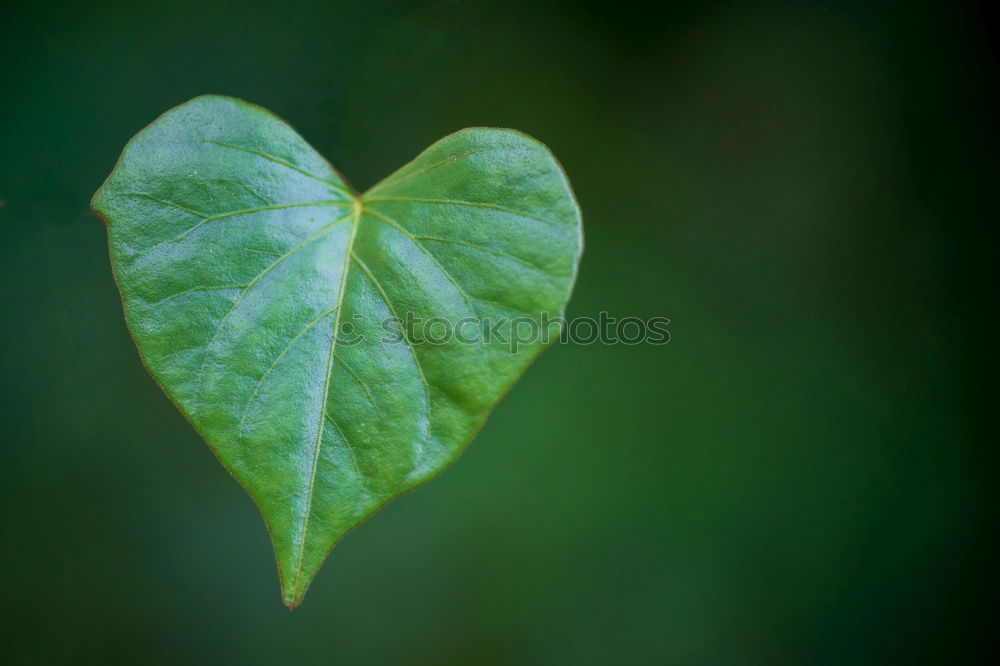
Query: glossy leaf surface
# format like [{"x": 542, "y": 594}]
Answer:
[{"x": 282, "y": 313}]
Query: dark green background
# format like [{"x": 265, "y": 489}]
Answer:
[{"x": 800, "y": 477}]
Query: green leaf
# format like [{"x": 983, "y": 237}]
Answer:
[{"x": 282, "y": 313}]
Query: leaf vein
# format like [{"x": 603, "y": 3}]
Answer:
[
  {"x": 236, "y": 213},
  {"x": 164, "y": 202},
  {"x": 274, "y": 365},
  {"x": 160, "y": 302},
  {"x": 250, "y": 285},
  {"x": 449, "y": 160},
  {"x": 356, "y": 214},
  {"x": 470, "y": 204},
  {"x": 423, "y": 250},
  {"x": 278, "y": 160},
  {"x": 350, "y": 451},
  {"x": 358, "y": 379},
  {"x": 481, "y": 248},
  {"x": 392, "y": 310}
]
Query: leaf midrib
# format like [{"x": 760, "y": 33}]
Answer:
[{"x": 317, "y": 447}]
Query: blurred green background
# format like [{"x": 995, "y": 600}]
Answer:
[{"x": 800, "y": 477}]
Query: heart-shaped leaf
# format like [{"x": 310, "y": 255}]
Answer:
[{"x": 291, "y": 320}]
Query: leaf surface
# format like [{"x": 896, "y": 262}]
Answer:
[{"x": 282, "y": 313}]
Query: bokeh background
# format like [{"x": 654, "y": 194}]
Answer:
[{"x": 802, "y": 476}]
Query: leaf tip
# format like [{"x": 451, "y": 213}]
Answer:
[{"x": 292, "y": 598}]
